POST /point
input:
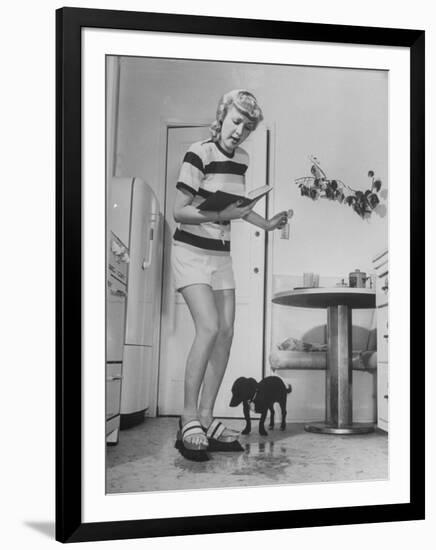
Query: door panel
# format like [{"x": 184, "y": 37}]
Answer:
[{"x": 248, "y": 252}]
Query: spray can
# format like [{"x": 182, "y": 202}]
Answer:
[{"x": 286, "y": 228}]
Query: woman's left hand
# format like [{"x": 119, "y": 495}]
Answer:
[{"x": 278, "y": 221}]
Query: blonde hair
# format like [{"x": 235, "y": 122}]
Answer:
[{"x": 244, "y": 101}]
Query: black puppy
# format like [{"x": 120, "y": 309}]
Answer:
[{"x": 262, "y": 395}]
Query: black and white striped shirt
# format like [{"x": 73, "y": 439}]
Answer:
[{"x": 207, "y": 168}]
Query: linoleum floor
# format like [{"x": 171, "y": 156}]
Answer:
[{"x": 145, "y": 459}]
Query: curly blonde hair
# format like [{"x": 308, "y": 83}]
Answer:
[{"x": 244, "y": 101}]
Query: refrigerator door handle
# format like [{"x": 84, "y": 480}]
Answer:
[{"x": 147, "y": 263}]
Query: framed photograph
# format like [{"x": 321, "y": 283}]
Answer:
[{"x": 240, "y": 266}]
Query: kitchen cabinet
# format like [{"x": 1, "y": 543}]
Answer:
[
  {"x": 113, "y": 401},
  {"x": 381, "y": 268},
  {"x": 116, "y": 293}
]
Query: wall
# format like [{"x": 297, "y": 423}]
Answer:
[{"x": 338, "y": 115}]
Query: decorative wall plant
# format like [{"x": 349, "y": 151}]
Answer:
[{"x": 363, "y": 202}]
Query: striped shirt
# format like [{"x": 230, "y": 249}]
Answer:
[{"x": 207, "y": 168}]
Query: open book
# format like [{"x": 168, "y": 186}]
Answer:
[{"x": 220, "y": 199}]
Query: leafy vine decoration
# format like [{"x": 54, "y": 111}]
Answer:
[{"x": 319, "y": 186}]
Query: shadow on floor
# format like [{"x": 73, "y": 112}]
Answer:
[{"x": 47, "y": 528}]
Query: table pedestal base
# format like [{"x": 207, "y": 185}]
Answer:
[{"x": 326, "y": 428}]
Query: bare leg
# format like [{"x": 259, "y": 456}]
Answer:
[
  {"x": 201, "y": 302},
  {"x": 225, "y": 305}
]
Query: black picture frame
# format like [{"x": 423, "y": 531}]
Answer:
[{"x": 69, "y": 23}]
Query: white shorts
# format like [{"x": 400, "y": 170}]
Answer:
[{"x": 191, "y": 267}]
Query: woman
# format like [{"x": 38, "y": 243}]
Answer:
[{"x": 202, "y": 266}]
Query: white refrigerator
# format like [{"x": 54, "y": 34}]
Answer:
[{"x": 135, "y": 218}]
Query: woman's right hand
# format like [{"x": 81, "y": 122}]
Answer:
[{"x": 234, "y": 211}]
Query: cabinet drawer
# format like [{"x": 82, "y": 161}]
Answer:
[
  {"x": 116, "y": 314},
  {"x": 382, "y": 395},
  {"x": 382, "y": 333},
  {"x": 380, "y": 261},
  {"x": 382, "y": 288},
  {"x": 112, "y": 425}
]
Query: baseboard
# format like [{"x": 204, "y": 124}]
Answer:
[{"x": 132, "y": 419}]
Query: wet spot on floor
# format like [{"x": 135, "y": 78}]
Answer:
[{"x": 146, "y": 460}]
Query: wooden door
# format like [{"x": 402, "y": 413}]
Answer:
[{"x": 248, "y": 253}]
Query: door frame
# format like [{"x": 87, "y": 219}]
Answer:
[
  {"x": 166, "y": 125},
  {"x": 271, "y": 208}
]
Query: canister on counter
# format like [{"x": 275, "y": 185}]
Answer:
[{"x": 357, "y": 279}]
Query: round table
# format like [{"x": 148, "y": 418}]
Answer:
[{"x": 339, "y": 302}]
